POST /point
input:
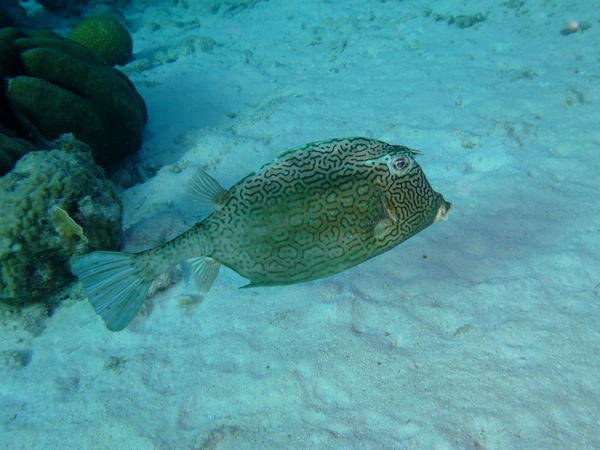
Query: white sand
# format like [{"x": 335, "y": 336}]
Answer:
[{"x": 491, "y": 342}]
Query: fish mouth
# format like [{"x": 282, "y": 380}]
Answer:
[{"x": 442, "y": 212}]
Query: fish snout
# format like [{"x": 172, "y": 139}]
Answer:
[{"x": 443, "y": 210}]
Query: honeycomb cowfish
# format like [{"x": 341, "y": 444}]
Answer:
[{"x": 310, "y": 213}]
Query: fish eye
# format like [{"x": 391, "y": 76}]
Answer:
[{"x": 401, "y": 164}]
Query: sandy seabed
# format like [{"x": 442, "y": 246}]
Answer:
[{"x": 481, "y": 332}]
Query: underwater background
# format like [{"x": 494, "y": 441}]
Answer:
[{"x": 481, "y": 332}]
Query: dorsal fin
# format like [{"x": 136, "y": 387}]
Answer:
[{"x": 205, "y": 191}]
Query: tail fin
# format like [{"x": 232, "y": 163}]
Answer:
[{"x": 115, "y": 285}]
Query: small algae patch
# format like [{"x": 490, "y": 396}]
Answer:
[{"x": 68, "y": 230}]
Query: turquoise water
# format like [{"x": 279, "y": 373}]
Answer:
[{"x": 480, "y": 332}]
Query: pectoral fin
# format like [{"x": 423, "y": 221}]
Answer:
[{"x": 381, "y": 219}]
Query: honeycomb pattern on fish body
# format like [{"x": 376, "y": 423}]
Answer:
[{"x": 320, "y": 209}]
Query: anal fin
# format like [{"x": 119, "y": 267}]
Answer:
[{"x": 204, "y": 270}]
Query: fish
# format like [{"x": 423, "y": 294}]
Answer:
[{"x": 310, "y": 213}]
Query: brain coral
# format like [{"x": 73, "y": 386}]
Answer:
[
  {"x": 59, "y": 86},
  {"x": 106, "y": 37},
  {"x": 54, "y": 202}
]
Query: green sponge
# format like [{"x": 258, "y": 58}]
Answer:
[{"x": 106, "y": 37}]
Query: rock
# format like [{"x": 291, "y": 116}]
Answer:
[
  {"x": 12, "y": 14},
  {"x": 56, "y": 202}
]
